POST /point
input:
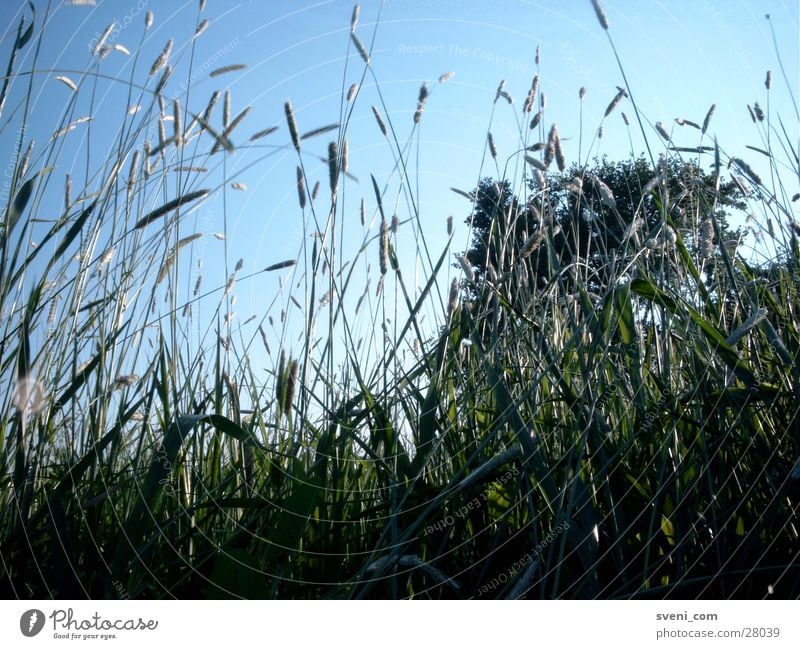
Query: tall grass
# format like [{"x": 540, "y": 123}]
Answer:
[{"x": 536, "y": 441}]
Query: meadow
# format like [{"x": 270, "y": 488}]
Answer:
[{"x": 598, "y": 400}]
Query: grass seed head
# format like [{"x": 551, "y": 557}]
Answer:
[
  {"x": 452, "y": 302},
  {"x": 292, "y": 125},
  {"x": 360, "y": 47},
  {"x": 301, "y": 187},
  {"x": 601, "y": 15},
  {"x": 707, "y": 119},
  {"x": 614, "y": 102},
  {"x": 379, "y": 119},
  {"x": 492, "y": 147},
  {"x": 333, "y": 166},
  {"x": 161, "y": 60},
  {"x": 384, "y": 248}
]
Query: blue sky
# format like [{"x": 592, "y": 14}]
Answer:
[{"x": 680, "y": 57}]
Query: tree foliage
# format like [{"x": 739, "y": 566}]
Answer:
[{"x": 599, "y": 218}]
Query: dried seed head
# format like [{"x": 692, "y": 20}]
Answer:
[
  {"x": 67, "y": 192},
  {"x": 466, "y": 267},
  {"x": 581, "y": 93},
  {"x": 161, "y": 61},
  {"x": 148, "y": 20},
  {"x": 177, "y": 127},
  {"x": 558, "y": 152},
  {"x": 125, "y": 381},
  {"x": 452, "y": 302},
  {"x": 354, "y": 18},
  {"x": 552, "y": 144},
  {"x": 147, "y": 168},
  {"x": 625, "y": 119},
  {"x": 360, "y": 47},
  {"x": 384, "y": 247},
  {"x": 601, "y": 15},
  {"x": 536, "y": 163},
  {"x": 606, "y": 195},
  {"x": 162, "y": 135},
  {"x": 363, "y": 213},
  {"x": 423, "y": 93},
  {"x": 226, "y": 110},
  {"x": 747, "y": 170},
  {"x": 352, "y": 92},
  {"x": 615, "y": 102},
  {"x": 395, "y": 224},
  {"x": 707, "y": 119},
  {"x": 291, "y": 382},
  {"x": 527, "y": 105},
  {"x": 380, "y": 121},
  {"x": 163, "y": 80},
  {"x": 532, "y": 243},
  {"x": 759, "y": 113},
  {"x": 537, "y": 58},
  {"x": 103, "y": 37},
  {"x": 446, "y": 76},
  {"x": 492, "y": 147},
  {"x": 212, "y": 102},
  {"x": 301, "y": 187},
  {"x": 333, "y": 166},
  {"x": 500, "y": 88},
  {"x": 67, "y": 82},
  {"x": 449, "y": 225},
  {"x": 662, "y": 131},
  {"x": 706, "y": 239},
  {"x": 134, "y": 168},
  {"x": 292, "y": 125},
  {"x": 540, "y": 179},
  {"x": 345, "y": 156},
  {"x": 768, "y": 80}
]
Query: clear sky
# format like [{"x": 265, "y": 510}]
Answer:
[{"x": 680, "y": 57}]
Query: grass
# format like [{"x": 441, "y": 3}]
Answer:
[{"x": 533, "y": 442}]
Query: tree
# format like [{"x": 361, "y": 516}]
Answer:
[{"x": 593, "y": 220}]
